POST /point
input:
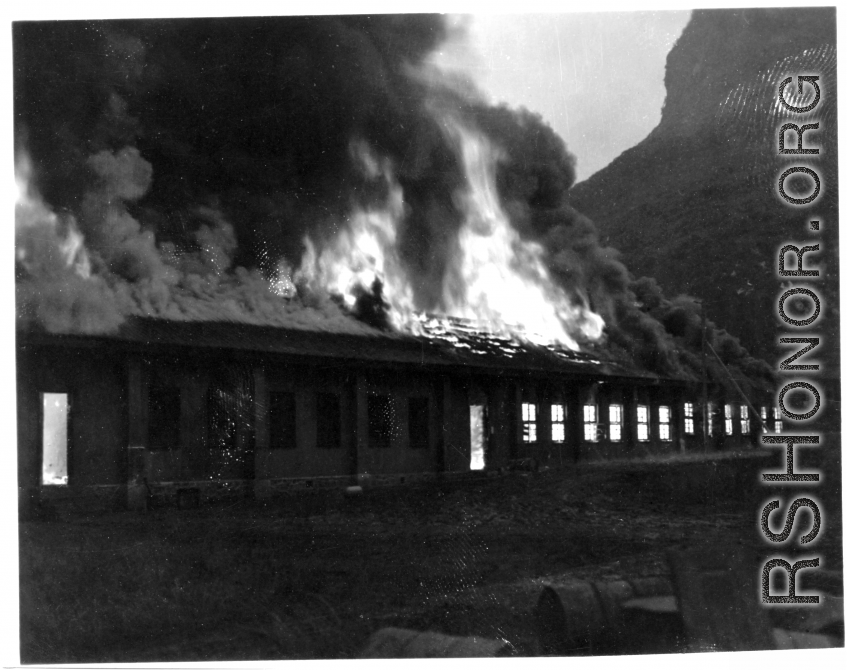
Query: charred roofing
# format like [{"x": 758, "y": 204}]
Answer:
[{"x": 460, "y": 348}]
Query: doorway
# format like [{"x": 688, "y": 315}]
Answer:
[
  {"x": 54, "y": 439},
  {"x": 479, "y": 436}
]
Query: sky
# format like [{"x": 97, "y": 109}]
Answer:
[{"x": 598, "y": 79}]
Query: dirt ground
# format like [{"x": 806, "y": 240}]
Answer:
[{"x": 313, "y": 576}]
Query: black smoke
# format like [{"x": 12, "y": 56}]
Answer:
[
  {"x": 194, "y": 155},
  {"x": 253, "y": 116}
]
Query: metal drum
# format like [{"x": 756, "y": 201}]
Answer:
[{"x": 579, "y": 616}]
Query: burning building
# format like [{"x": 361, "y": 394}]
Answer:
[
  {"x": 235, "y": 408},
  {"x": 364, "y": 273}
]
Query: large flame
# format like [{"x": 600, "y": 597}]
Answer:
[
  {"x": 37, "y": 222},
  {"x": 495, "y": 279},
  {"x": 365, "y": 252},
  {"x": 498, "y": 278},
  {"x": 496, "y": 283}
]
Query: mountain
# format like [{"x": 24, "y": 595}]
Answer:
[{"x": 695, "y": 205}]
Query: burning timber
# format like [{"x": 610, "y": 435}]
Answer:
[{"x": 196, "y": 410}]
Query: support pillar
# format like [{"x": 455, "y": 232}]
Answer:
[
  {"x": 498, "y": 414},
  {"x": 360, "y": 429},
  {"x": 515, "y": 432},
  {"x": 585, "y": 396},
  {"x": 573, "y": 422},
  {"x": 630, "y": 419},
  {"x": 678, "y": 425},
  {"x": 719, "y": 424},
  {"x": 653, "y": 405},
  {"x": 545, "y": 431},
  {"x": 261, "y": 428},
  {"x": 136, "y": 453},
  {"x": 601, "y": 400}
]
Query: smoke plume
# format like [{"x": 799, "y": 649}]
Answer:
[{"x": 194, "y": 157}]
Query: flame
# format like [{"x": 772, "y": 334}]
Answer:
[
  {"x": 364, "y": 252},
  {"x": 495, "y": 279},
  {"x": 73, "y": 249},
  {"x": 32, "y": 214}
]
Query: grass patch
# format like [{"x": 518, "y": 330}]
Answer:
[{"x": 313, "y": 576}]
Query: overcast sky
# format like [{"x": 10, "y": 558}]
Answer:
[{"x": 598, "y": 79}]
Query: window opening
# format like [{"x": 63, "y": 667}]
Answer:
[
  {"x": 557, "y": 423},
  {"x": 223, "y": 418},
  {"x": 777, "y": 424},
  {"x": 688, "y": 411},
  {"x": 589, "y": 415},
  {"x": 643, "y": 423},
  {"x": 727, "y": 413},
  {"x": 380, "y": 421},
  {"x": 745, "y": 420},
  {"x": 163, "y": 412},
  {"x": 328, "y": 419},
  {"x": 283, "y": 420},
  {"x": 615, "y": 422},
  {"x": 664, "y": 423},
  {"x": 419, "y": 423},
  {"x": 530, "y": 427}
]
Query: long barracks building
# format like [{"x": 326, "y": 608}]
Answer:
[{"x": 230, "y": 409}]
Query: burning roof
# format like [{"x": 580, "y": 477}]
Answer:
[
  {"x": 442, "y": 344},
  {"x": 409, "y": 178},
  {"x": 285, "y": 173}
]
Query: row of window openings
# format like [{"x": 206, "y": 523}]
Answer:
[
  {"x": 591, "y": 428},
  {"x": 729, "y": 413},
  {"x": 164, "y": 407}
]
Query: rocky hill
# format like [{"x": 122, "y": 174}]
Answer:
[{"x": 695, "y": 204}]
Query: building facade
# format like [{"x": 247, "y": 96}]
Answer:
[{"x": 228, "y": 409}]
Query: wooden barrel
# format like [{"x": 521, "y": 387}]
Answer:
[
  {"x": 404, "y": 643},
  {"x": 580, "y": 616}
]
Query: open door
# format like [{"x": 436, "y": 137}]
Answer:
[
  {"x": 479, "y": 436},
  {"x": 54, "y": 439}
]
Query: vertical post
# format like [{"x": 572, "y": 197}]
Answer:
[
  {"x": 515, "y": 432},
  {"x": 557, "y": 396},
  {"x": 440, "y": 387},
  {"x": 498, "y": 416},
  {"x": 736, "y": 422},
  {"x": 584, "y": 396},
  {"x": 360, "y": 436},
  {"x": 630, "y": 404},
  {"x": 705, "y": 396},
  {"x": 30, "y": 446},
  {"x": 573, "y": 417},
  {"x": 678, "y": 423},
  {"x": 720, "y": 428},
  {"x": 136, "y": 453},
  {"x": 351, "y": 389},
  {"x": 758, "y": 425},
  {"x": 261, "y": 402},
  {"x": 653, "y": 409},
  {"x": 544, "y": 427},
  {"x": 601, "y": 399}
]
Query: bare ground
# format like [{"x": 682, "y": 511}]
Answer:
[{"x": 313, "y": 576}]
